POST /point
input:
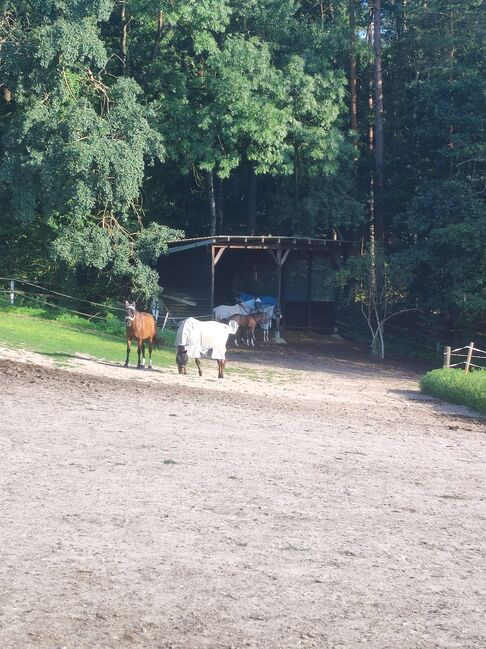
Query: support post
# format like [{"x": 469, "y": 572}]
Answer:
[
  {"x": 447, "y": 357},
  {"x": 212, "y": 279},
  {"x": 280, "y": 261},
  {"x": 279, "y": 291},
  {"x": 469, "y": 357},
  {"x": 12, "y": 291},
  {"x": 309, "y": 290}
]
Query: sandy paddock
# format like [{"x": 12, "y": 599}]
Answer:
[{"x": 308, "y": 500}]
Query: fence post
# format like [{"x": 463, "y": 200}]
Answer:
[
  {"x": 469, "y": 357},
  {"x": 447, "y": 357},
  {"x": 12, "y": 291},
  {"x": 437, "y": 348}
]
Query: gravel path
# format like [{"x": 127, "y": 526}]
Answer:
[{"x": 308, "y": 500}]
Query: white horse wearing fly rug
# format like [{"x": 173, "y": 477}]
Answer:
[
  {"x": 196, "y": 337},
  {"x": 224, "y": 312}
]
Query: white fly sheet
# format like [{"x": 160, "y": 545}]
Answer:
[
  {"x": 224, "y": 312},
  {"x": 198, "y": 337},
  {"x": 269, "y": 311},
  {"x": 272, "y": 313}
]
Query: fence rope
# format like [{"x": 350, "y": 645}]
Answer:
[
  {"x": 56, "y": 306},
  {"x": 48, "y": 290},
  {"x": 37, "y": 298}
]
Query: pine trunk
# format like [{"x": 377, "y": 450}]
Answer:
[
  {"x": 378, "y": 146},
  {"x": 158, "y": 33},
  {"x": 252, "y": 201},
  {"x": 212, "y": 204},
  {"x": 123, "y": 36},
  {"x": 219, "y": 206},
  {"x": 353, "y": 77}
]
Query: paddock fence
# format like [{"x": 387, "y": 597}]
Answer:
[
  {"x": 20, "y": 292},
  {"x": 468, "y": 354}
]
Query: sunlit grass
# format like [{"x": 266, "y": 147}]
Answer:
[
  {"x": 63, "y": 340},
  {"x": 457, "y": 386}
]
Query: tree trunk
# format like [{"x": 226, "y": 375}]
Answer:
[
  {"x": 378, "y": 145},
  {"x": 353, "y": 78},
  {"x": 219, "y": 206},
  {"x": 371, "y": 143},
  {"x": 123, "y": 36},
  {"x": 158, "y": 33},
  {"x": 212, "y": 204},
  {"x": 252, "y": 201},
  {"x": 452, "y": 53}
]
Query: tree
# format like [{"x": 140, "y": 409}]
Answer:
[{"x": 69, "y": 116}]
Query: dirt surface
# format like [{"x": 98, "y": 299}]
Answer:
[{"x": 309, "y": 499}]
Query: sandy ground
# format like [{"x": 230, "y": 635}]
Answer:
[{"x": 309, "y": 499}]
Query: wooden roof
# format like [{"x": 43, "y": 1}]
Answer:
[{"x": 259, "y": 243}]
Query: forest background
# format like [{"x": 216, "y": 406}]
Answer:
[{"x": 124, "y": 124}]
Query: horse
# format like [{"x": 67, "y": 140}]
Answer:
[
  {"x": 140, "y": 326},
  {"x": 249, "y": 322},
  {"x": 196, "y": 337},
  {"x": 224, "y": 311},
  {"x": 272, "y": 313}
]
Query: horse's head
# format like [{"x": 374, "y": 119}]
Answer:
[
  {"x": 130, "y": 312},
  {"x": 234, "y": 325},
  {"x": 181, "y": 359},
  {"x": 277, "y": 313}
]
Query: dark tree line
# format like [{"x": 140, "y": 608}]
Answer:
[{"x": 124, "y": 123}]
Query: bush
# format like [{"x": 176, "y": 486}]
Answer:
[
  {"x": 457, "y": 386},
  {"x": 167, "y": 338},
  {"x": 110, "y": 323}
]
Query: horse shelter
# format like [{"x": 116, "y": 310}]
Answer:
[{"x": 297, "y": 273}]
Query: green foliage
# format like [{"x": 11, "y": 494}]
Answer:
[
  {"x": 107, "y": 151},
  {"x": 436, "y": 160},
  {"x": 110, "y": 323},
  {"x": 457, "y": 386},
  {"x": 152, "y": 242}
]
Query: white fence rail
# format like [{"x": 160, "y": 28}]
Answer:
[{"x": 469, "y": 353}]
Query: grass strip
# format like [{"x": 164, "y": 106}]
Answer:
[
  {"x": 457, "y": 386},
  {"x": 63, "y": 339}
]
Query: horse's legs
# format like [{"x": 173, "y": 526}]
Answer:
[
  {"x": 198, "y": 363},
  {"x": 150, "y": 347},
  {"x": 221, "y": 364},
  {"x": 143, "y": 353},
  {"x": 128, "y": 351},
  {"x": 139, "y": 352}
]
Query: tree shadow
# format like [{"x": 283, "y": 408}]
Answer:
[
  {"x": 323, "y": 353},
  {"x": 441, "y": 407},
  {"x": 98, "y": 361}
]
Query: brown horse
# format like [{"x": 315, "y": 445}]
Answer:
[
  {"x": 140, "y": 326},
  {"x": 249, "y": 323}
]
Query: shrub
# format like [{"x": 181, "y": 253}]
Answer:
[
  {"x": 457, "y": 386},
  {"x": 167, "y": 338}
]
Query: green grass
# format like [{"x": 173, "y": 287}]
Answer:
[
  {"x": 457, "y": 386},
  {"x": 67, "y": 335}
]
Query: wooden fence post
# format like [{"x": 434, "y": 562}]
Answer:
[
  {"x": 447, "y": 357},
  {"x": 12, "y": 291},
  {"x": 469, "y": 357}
]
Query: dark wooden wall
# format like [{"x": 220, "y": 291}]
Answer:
[
  {"x": 305, "y": 304},
  {"x": 187, "y": 275}
]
